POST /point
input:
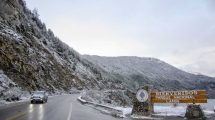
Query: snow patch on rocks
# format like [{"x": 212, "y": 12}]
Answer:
[
  {"x": 8, "y": 32},
  {"x": 9, "y": 91},
  {"x": 109, "y": 97},
  {"x": 107, "y": 102}
]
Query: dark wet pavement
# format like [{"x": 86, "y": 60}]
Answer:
[{"x": 65, "y": 107}]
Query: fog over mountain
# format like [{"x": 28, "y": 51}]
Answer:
[{"x": 33, "y": 58}]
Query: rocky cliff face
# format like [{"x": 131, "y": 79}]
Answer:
[{"x": 34, "y": 58}]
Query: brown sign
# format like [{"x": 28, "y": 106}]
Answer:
[
  {"x": 192, "y": 92},
  {"x": 180, "y": 97},
  {"x": 178, "y": 101},
  {"x": 193, "y": 96}
]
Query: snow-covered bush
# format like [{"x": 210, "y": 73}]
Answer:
[{"x": 109, "y": 97}]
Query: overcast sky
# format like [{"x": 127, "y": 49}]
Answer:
[{"x": 179, "y": 32}]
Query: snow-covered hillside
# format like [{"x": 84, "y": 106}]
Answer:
[
  {"x": 35, "y": 59},
  {"x": 137, "y": 71}
]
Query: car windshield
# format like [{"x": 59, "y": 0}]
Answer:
[{"x": 38, "y": 93}]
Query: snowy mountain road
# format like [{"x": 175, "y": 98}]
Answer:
[{"x": 64, "y": 107}]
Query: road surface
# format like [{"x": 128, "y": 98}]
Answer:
[{"x": 65, "y": 107}]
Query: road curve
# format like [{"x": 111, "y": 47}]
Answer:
[{"x": 64, "y": 107}]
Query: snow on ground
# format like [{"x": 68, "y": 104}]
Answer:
[
  {"x": 170, "y": 110},
  {"x": 126, "y": 111},
  {"x": 162, "y": 111},
  {"x": 144, "y": 117},
  {"x": 175, "y": 111},
  {"x": 3, "y": 102}
]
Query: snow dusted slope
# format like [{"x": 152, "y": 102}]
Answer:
[
  {"x": 7, "y": 87},
  {"x": 139, "y": 71},
  {"x": 34, "y": 58}
]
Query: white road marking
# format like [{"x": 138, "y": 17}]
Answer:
[{"x": 70, "y": 112}]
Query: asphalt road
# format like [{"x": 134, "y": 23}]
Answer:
[{"x": 65, "y": 107}]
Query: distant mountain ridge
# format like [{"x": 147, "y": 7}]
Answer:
[{"x": 141, "y": 70}]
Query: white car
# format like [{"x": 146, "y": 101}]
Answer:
[{"x": 39, "y": 96}]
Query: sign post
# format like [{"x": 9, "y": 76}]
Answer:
[
  {"x": 193, "y": 111},
  {"x": 142, "y": 105}
]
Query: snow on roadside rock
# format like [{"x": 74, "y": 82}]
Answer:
[
  {"x": 9, "y": 91},
  {"x": 7, "y": 86}
]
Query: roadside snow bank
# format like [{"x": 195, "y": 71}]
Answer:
[
  {"x": 145, "y": 118},
  {"x": 107, "y": 100},
  {"x": 126, "y": 111},
  {"x": 107, "y": 109},
  {"x": 82, "y": 100}
]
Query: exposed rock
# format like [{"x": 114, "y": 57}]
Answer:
[
  {"x": 194, "y": 112},
  {"x": 9, "y": 90}
]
